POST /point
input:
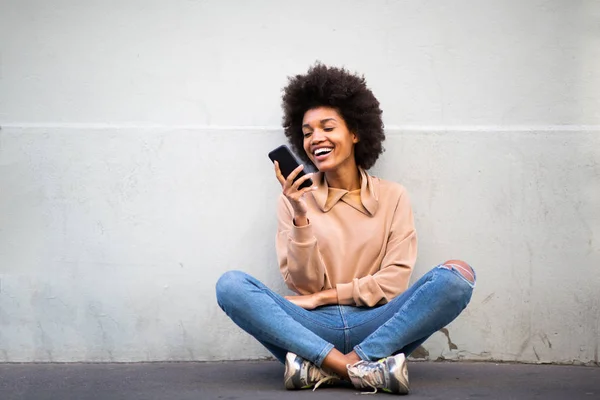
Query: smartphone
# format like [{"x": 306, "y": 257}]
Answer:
[{"x": 288, "y": 163}]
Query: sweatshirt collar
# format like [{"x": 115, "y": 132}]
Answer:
[{"x": 326, "y": 201}]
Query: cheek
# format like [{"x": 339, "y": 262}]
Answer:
[
  {"x": 306, "y": 146},
  {"x": 348, "y": 147}
]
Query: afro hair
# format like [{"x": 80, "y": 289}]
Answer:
[{"x": 348, "y": 94}]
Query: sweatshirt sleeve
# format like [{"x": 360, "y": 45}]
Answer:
[
  {"x": 300, "y": 261},
  {"x": 396, "y": 267}
]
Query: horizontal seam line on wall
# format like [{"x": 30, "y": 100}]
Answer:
[{"x": 410, "y": 128}]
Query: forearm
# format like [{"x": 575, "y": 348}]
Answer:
[
  {"x": 378, "y": 288},
  {"x": 317, "y": 299},
  {"x": 326, "y": 297}
]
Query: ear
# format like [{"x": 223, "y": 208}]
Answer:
[{"x": 355, "y": 138}]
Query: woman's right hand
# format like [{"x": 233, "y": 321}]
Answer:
[{"x": 291, "y": 189}]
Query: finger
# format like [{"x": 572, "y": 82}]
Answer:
[
  {"x": 292, "y": 300},
  {"x": 278, "y": 173},
  {"x": 307, "y": 189},
  {"x": 296, "y": 193},
  {"x": 293, "y": 175},
  {"x": 300, "y": 181}
]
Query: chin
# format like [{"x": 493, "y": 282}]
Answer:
[{"x": 325, "y": 168}]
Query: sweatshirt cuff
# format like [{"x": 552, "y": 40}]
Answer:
[
  {"x": 344, "y": 292},
  {"x": 302, "y": 234}
]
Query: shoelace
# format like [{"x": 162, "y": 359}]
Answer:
[
  {"x": 323, "y": 380},
  {"x": 370, "y": 373},
  {"x": 317, "y": 374}
]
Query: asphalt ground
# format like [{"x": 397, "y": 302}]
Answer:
[{"x": 264, "y": 380}]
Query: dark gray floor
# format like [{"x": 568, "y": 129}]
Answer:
[{"x": 263, "y": 380}]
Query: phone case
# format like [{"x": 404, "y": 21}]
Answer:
[{"x": 288, "y": 163}]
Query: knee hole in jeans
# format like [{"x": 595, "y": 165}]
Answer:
[{"x": 462, "y": 268}]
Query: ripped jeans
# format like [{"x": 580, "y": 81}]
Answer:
[{"x": 400, "y": 326}]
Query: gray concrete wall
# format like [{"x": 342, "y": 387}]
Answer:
[{"x": 133, "y": 166}]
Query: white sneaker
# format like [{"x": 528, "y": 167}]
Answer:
[
  {"x": 302, "y": 374},
  {"x": 388, "y": 374}
]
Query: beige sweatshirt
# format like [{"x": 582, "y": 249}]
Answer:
[{"x": 361, "y": 242}]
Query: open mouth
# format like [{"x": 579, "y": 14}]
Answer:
[{"x": 322, "y": 153}]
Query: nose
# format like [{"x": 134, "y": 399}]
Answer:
[{"x": 317, "y": 136}]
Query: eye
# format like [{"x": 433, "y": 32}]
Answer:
[
  {"x": 307, "y": 134},
  {"x": 328, "y": 129}
]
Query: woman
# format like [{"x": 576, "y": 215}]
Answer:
[{"x": 347, "y": 247}]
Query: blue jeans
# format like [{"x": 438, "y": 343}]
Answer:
[{"x": 399, "y": 326}]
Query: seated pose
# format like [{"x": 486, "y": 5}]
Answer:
[{"x": 347, "y": 247}]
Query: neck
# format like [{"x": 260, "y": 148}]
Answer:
[{"x": 346, "y": 178}]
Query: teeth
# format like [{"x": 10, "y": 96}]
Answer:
[{"x": 322, "y": 150}]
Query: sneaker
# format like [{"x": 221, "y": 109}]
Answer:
[
  {"x": 388, "y": 374},
  {"x": 302, "y": 374}
]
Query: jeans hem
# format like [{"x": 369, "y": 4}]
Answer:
[
  {"x": 361, "y": 353},
  {"x": 321, "y": 357}
]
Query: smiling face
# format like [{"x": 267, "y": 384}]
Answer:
[{"x": 327, "y": 141}]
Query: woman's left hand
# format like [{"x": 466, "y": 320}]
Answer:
[{"x": 308, "y": 302}]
